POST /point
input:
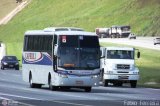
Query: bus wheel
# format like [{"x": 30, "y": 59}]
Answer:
[
  {"x": 51, "y": 87},
  {"x": 88, "y": 89},
  {"x": 31, "y": 81}
]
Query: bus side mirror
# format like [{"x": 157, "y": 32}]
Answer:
[
  {"x": 138, "y": 54},
  {"x": 102, "y": 57}
]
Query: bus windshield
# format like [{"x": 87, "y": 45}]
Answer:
[
  {"x": 120, "y": 54},
  {"x": 78, "y": 52}
]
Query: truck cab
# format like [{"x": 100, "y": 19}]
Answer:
[{"x": 118, "y": 66}]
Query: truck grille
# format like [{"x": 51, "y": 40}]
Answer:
[{"x": 123, "y": 66}]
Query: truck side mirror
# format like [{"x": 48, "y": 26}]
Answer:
[{"x": 138, "y": 54}]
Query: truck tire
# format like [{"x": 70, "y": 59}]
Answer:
[
  {"x": 105, "y": 83},
  {"x": 101, "y": 74},
  {"x": 88, "y": 89},
  {"x": 133, "y": 84},
  {"x": 117, "y": 84}
]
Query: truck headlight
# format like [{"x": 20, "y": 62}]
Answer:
[{"x": 135, "y": 72}]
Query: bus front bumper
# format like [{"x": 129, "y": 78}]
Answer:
[{"x": 77, "y": 81}]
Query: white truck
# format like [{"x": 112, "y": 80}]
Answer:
[
  {"x": 119, "y": 31},
  {"x": 118, "y": 66},
  {"x": 102, "y": 32}
]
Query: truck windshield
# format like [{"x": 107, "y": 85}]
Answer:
[
  {"x": 79, "y": 52},
  {"x": 120, "y": 54}
]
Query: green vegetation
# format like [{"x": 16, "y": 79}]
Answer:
[
  {"x": 142, "y": 15},
  {"x": 148, "y": 64}
]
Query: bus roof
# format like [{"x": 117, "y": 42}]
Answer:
[
  {"x": 42, "y": 32},
  {"x": 38, "y": 32},
  {"x": 51, "y": 29},
  {"x": 75, "y": 33}
]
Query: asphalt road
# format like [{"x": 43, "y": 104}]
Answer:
[
  {"x": 145, "y": 42},
  {"x": 15, "y": 92}
]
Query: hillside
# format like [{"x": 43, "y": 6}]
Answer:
[{"x": 142, "y": 15}]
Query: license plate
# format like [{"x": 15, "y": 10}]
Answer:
[
  {"x": 79, "y": 82},
  {"x": 122, "y": 77},
  {"x": 10, "y": 65}
]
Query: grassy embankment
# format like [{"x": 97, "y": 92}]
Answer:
[{"x": 148, "y": 64}]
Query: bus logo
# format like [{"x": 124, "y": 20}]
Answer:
[{"x": 33, "y": 57}]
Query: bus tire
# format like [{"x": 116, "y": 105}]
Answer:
[
  {"x": 32, "y": 85},
  {"x": 51, "y": 87},
  {"x": 88, "y": 89}
]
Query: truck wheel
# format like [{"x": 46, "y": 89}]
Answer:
[
  {"x": 101, "y": 74},
  {"x": 88, "y": 89},
  {"x": 133, "y": 84},
  {"x": 117, "y": 84},
  {"x": 105, "y": 83}
]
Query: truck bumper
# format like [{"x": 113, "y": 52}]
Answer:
[{"x": 121, "y": 77}]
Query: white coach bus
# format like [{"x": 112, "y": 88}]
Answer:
[{"x": 61, "y": 59}]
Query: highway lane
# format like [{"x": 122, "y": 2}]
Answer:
[
  {"x": 145, "y": 42},
  {"x": 15, "y": 90}
]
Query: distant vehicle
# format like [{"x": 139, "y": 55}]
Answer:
[
  {"x": 118, "y": 66},
  {"x": 114, "y": 32},
  {"x": 156, "y": 41},
  {"x": 119, "y": 31},
  {"x": 10, "y": 62},
  {"x": 61, "y": 59},
  {"x": 102, "y": 32},
  {"x": 51, "y": 29},
  {"x": 132, "y": 36}
]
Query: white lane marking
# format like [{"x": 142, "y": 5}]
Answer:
[
  {"x": 75, "y": 104},
  {"x": 24, "y": 97},
  {"x": 15, "y": 103}
]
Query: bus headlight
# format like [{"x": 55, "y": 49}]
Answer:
[{"x": 63, "y": 75}]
